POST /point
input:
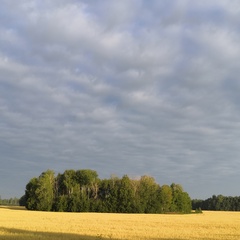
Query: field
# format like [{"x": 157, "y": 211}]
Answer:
[{"x": 20, "y": 224}]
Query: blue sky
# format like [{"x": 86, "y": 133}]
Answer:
[{"x": 122, "y": 87}]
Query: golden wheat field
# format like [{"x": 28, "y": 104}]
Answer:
[{"x": 20, "y": 224}]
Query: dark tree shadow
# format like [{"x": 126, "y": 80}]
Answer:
[
  {"x": 14, "y": 207},
  {"x": 18, "y": 234}
]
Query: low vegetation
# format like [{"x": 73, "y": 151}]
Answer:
[{"x": 20, "y": 224}]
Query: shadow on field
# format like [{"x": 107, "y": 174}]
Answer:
[
  {"x": 18, "y": 234},
  {"x": 14, "y": 208}
]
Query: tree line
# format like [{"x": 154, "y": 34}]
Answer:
[
  {"x": 83, "y": 191},
  {"x": 9, "y": 202},
  {"x": 218, "y": 203}
]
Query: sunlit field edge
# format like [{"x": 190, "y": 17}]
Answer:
[{"x": 17, "y": 223}]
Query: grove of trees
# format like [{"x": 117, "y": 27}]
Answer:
[
  {"x": 9, "y": 202},
  {"x": 218, "y": 203},
  {"x": 83, "y": 191}
]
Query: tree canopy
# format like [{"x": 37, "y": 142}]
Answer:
[
  {"x": 218, "y": 203},
  {"x": 84, "y": 191}
]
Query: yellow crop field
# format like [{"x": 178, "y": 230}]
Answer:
[{"x": 20, "y": 224}]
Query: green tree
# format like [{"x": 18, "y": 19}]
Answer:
[
  {"x": 149, "y": 195},
  {"x": 166, "y": 198},
  {"x": 219, "y": 202},
  {"x": 22, "y": 200},
  {"x": 83, "y": 191},
  {"x": 40, "y": 192},
  {"x": 125, "y": 196},
  {"x": 176, "y": 191},
  {"x": 108, "y": 193},
  {"x": 69, "y": 182},
  {"x": 181, "y": 201},
  {"x": 86, "y": 176},
  {"x": 89, "y": 182},
  {"x": 61, "y": 203},
  {"x": 45, "y": 191},
  {"x": 84, "y": 205},
  {"x": 184, "y": 203},
  {"x": 30, "y": 193},
  {"x": 74, "y": 201}
]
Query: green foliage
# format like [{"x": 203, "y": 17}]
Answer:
[
  {"x": 86, "y": 176},
  {"x": 83, "y": 191},
  {"x": 69, "y": 181},
  {"x": 108, "y": 194},
  {"x": 22, "y": 201},
  {"x": 12, "y": 201},
  {"x": 40, "y": 192},
  {"x": 181, "y": 201},
  {"x": 148, "y": 195},
  {"x": 125, "y": 195},
  {"x": 30, "y": 193},
  {"x": 218, "y": 203},
  {"x": 166, "y": 198},
  {"x": 45, "y": 191},
  {"x": 61, "y": 204},
  {"x": 198, "y": 210}
]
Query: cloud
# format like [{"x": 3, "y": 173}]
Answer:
[{"x": 143, "y": 88}]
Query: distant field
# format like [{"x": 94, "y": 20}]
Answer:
[{"x": 19, "y": 224}]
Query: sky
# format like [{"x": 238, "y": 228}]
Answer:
[{"x": 136, "y": 87}]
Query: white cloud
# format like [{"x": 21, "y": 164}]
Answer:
[{"x": 142, "y": 88}]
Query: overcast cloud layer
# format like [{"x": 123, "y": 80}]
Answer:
[{"x": 122, "y": 87}]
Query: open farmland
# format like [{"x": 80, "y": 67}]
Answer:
[{"x": 17, "y": 224}]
